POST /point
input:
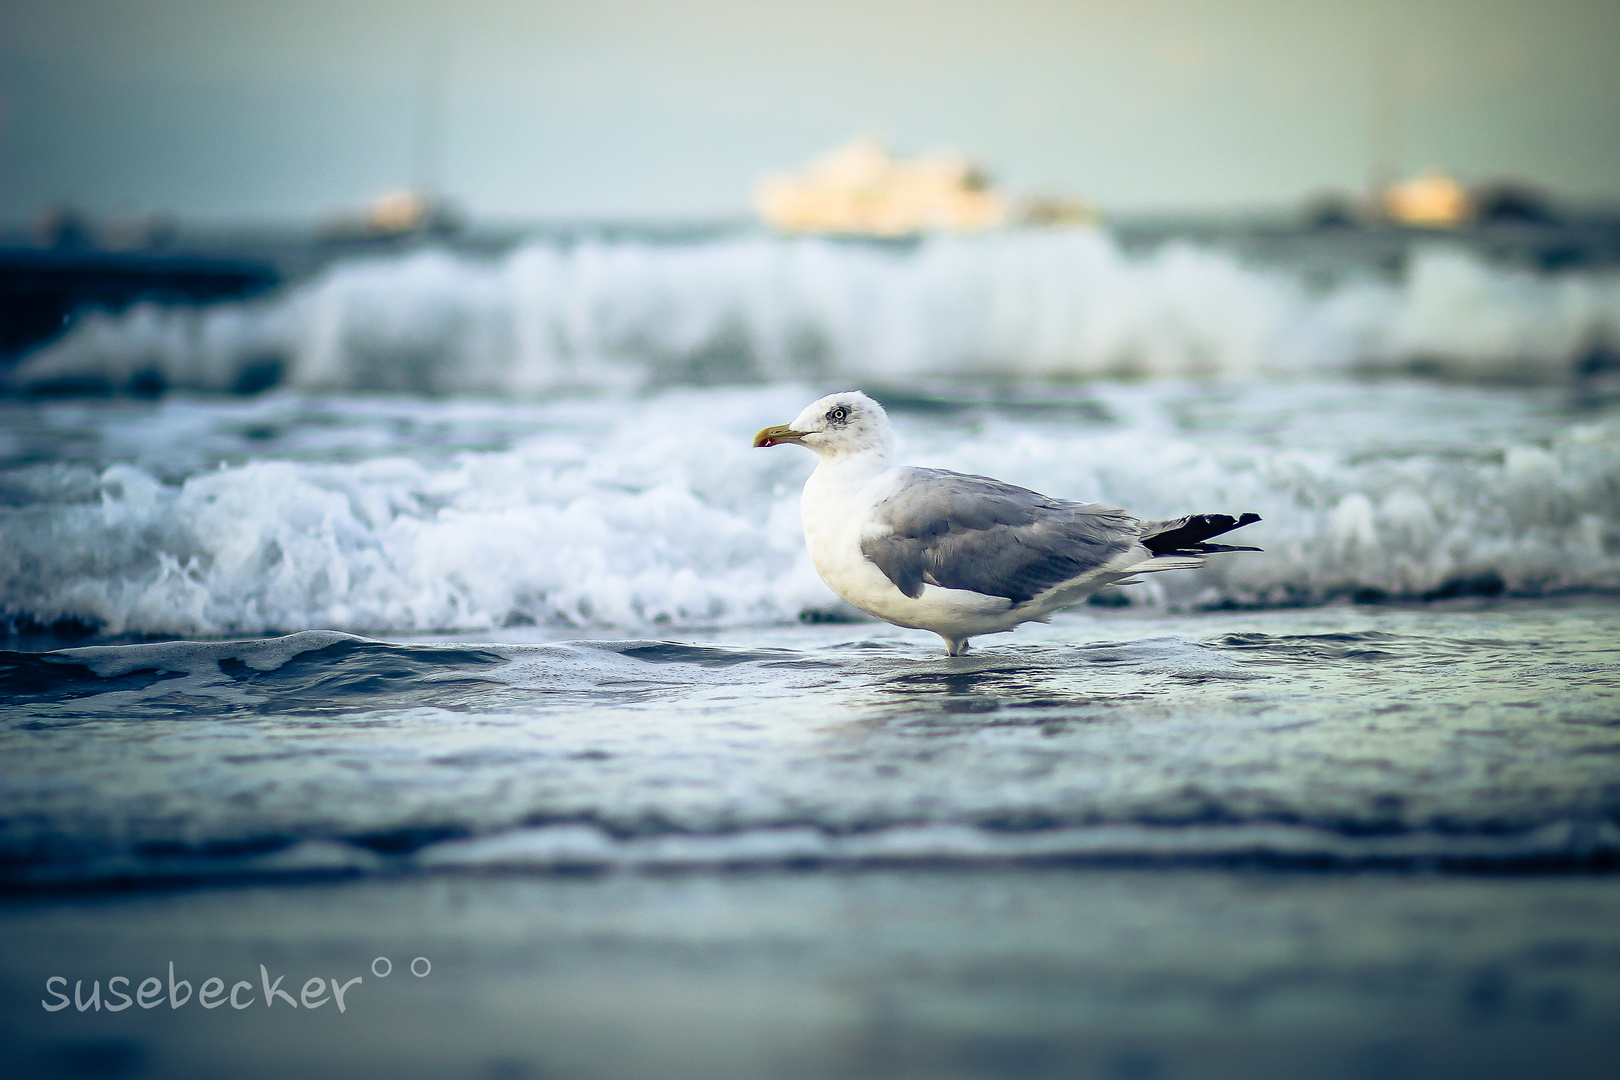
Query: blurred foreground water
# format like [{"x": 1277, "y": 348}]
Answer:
[{"x": 940, "y": 972}]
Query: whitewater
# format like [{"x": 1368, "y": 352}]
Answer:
[
  {"x": 195, "y": 517},
  {"x": 593, "y": 313},
  {"x": 557, "y": 436}
]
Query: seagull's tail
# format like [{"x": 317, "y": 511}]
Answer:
[
  {"x": 1157, "y": 565},
  {"x": 1187, "y": 535}
]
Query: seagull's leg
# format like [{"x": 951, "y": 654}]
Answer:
[{"x": 955, "y": 647}]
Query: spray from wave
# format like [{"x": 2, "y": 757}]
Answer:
[
  {"x": 657, "y": 514},
  {"x": 602, "y": 314}
]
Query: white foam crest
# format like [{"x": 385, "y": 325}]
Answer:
[
  {"x": 575, "y": 847},
  {"x": 668, "y": 519},
  {"x": 751, "y": 308},
  {"x": 645, "y": 538},
  {"x": 580, "y": 846}
]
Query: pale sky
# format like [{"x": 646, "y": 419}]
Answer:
[{"x": 670, "y": 109}]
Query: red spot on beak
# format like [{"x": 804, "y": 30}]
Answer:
[{"x": 775, "y": 436}]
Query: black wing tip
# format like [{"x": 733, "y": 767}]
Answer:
[
  {"x": 1219, "y": 523},
  {"x": 1189, "y": 535}
]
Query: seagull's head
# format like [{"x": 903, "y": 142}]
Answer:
[{"x": 835, "y": 426}]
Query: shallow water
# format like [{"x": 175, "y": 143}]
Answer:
[{"x": 1475, "y": 733}]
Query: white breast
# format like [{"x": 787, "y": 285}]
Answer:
[{"x": 836, "y": 507}]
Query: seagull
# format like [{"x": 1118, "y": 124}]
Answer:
[{"x": 963, "y": 555}]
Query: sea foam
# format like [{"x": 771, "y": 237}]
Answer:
[
  {"x": 755, "y": 308},
  {"x": 658, "y": 514}
]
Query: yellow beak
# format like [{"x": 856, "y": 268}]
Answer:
[{"x": 779, "y": 434}]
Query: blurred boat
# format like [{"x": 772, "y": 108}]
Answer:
[
  {"x": 1434, "y": 201},
  {"x": 1057, "y": 212},
  {"x": 861, "y": 190},
  {"x": 396, "y": 215}
]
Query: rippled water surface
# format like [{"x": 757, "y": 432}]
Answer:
[
  {"x": 1345, "y": 841},
  {"x": 1474, "y": 731}
]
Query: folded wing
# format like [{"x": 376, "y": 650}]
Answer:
[{"x": 975, "y": 533}]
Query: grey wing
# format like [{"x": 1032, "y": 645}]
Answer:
[{"x": 979, "y": 534}]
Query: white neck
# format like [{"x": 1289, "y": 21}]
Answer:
[{"x": 858, "y": 464}]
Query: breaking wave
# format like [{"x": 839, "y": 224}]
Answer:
[
  {"x": 663, "y": 517},
  {"x": 759, "y": 309}
]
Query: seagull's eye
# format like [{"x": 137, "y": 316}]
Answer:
[{"x": 839, "y": 414}]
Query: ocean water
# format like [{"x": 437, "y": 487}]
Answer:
[
  {"x": 483, "y": 634},
  {"x": 1046, "y": 305},
  {"x": 630, "y": 514},
  {"x": 1294, "y": 738}
]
